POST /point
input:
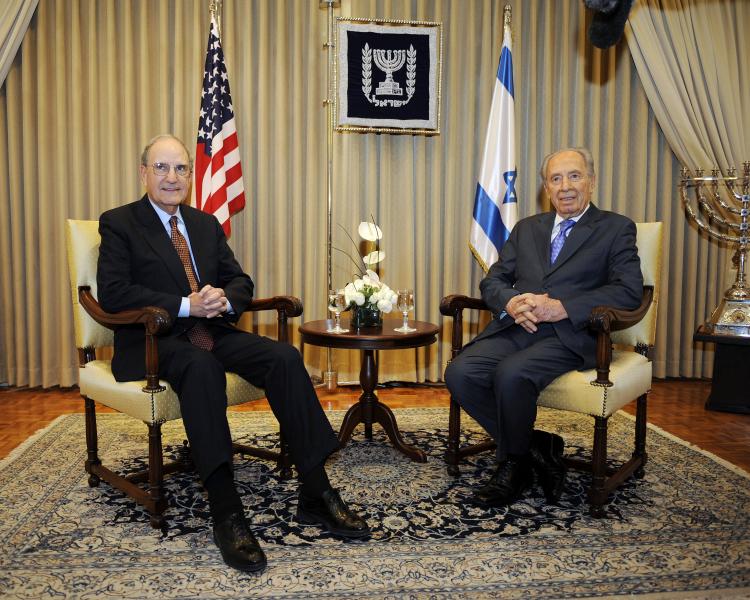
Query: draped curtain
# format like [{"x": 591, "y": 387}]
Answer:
[
  {"x": 14, "y": 20},
  {"x": 693, "y": 59},
  {"x": 95, "y": 79}
]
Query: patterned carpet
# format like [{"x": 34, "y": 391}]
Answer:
[{"x": 682, "y": 531}]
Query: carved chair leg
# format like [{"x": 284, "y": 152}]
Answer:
[
  {"x": 156, "y": 476},
  {"x": 92, "y": 444},
  {"x": 640, "y": 435},
  {"x": 598, "y": 493},
  {"x": 454, "y": 433}
]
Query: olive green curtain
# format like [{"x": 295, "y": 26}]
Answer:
[{"x": 95, "y": 79}]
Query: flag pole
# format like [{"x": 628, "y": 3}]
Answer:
[{"x": 330, "y": 377}]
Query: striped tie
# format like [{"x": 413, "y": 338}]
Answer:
[
  {"x": 560, "y": 238},
  {"x": 199, "y": 335}
]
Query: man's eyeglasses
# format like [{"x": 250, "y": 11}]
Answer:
[{"x": 161, "y": 169}]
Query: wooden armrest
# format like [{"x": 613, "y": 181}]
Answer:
[
  {"x": 606, "y": 319},
  {"x": 451, "y": 305},
  {"x": 285, "y": 307},
  {"x": 155, "y": 320},
  {"x": 290, "y": 305}
]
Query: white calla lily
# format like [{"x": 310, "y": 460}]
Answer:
[
  {"x": 369, "y": 231},
  {"x": 367, "y": 289},
  {"x": 373, "y": 257}
]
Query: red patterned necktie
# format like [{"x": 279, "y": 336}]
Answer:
[{"x": 199, "y": 335}]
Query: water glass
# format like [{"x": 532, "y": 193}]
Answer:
[
  {"x": 336, "y": 304},
  {"x": 405, "y": 303}
]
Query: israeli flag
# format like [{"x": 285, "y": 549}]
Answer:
[{"x": 495, "y": 206}]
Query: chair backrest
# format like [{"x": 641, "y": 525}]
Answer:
[
  {"x": 82, "y": 241},
  {"x": 650, "y": 247}
]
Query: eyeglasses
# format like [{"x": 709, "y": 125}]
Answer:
[{"x": 162, "y": 169}]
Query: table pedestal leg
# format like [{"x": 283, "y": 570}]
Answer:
[{"x": 370, "y": 410}]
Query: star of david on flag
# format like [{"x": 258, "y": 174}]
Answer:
[
  {"x": 217, "y": 186},
  {"x": 495, "y": 203}
]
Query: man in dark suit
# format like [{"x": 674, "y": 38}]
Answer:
[
  {"x": 158, "y": 251},
  {"x": 553, "y": 270}
]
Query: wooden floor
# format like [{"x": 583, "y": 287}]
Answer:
[{"x": 674, "y": 405}]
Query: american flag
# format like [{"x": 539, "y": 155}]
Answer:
[{"x": 217, "y": 187}]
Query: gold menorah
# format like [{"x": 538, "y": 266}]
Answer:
[{"x": 720, "y": 206}]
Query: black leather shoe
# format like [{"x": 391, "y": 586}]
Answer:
[
  {"x": 546, "y": 458},
  {"x": 330, "y": 512},
  {"x": 238, "y": 546},
  {"x": 511, "y": 479}
]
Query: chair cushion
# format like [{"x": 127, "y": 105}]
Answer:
[
  {"x": 97, "y": 382},
  {"x": 629, "y": 371}
]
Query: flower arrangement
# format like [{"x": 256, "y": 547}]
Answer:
[{"x": 367, "y": 296}]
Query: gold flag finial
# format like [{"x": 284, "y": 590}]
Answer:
[
  {"x": 214, "y": 9},
  {"x": 506, "y": 15}
]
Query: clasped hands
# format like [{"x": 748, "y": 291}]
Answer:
[
  {"x": 529, "y": 309},
  {"x": 210, "y": 302}
]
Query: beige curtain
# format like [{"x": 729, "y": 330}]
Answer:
[
  {"x": 95, "y": 79},
  {"x": 693, "y": 59}
]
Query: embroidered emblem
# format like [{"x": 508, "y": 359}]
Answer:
[{"x": 389, "y": 61}]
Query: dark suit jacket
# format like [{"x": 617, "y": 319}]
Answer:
[
  {"x": 598, "y": 265},
  {"x": 138, "y": 266}
]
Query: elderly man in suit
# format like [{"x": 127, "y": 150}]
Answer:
[
  {"x": 553, "y": 270},
  {"x": 158, "y": 251}
]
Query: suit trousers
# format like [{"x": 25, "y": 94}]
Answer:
[
  {"x": 497, "y": 381},
  {"x": 198, "y": 377}
]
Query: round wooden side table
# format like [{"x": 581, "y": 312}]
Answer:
[{"x": 369, "y": 409}]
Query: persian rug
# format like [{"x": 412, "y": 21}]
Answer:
[{"x": 681, "y": 531}]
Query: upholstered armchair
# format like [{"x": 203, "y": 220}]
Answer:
[
  {"x": 622, "y": 374},
  {"x": 151, "y": 400}
]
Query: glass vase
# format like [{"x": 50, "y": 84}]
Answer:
[{"x": 367, "y": 315}]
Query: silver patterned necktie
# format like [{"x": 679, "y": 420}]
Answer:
[{"x": 560, "y": 238}]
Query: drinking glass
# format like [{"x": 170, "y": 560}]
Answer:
[
  {"x": 336, "y": 304},
  {"x": 405, "y": 303}
]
